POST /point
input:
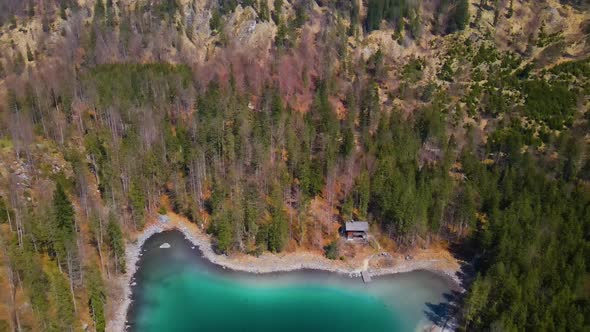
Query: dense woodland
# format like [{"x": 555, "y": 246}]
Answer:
[{"x": 105, "y": 112}]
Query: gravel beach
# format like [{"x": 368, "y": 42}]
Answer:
[{"x": 265, "y": 263}]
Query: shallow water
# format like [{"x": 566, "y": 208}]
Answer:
[{"x": 178, "y": 290}]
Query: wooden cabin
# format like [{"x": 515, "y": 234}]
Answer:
[{"x": 357, "y": 230}]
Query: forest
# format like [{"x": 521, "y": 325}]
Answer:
[{"x": 111, "y": 107}]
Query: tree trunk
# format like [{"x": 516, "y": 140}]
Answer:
[
  {"x": 99, "y": 242},
  {"x": 12, "y": 305},
  {"x": 9, "y": 220},
  {"x": 71, "y": 275}
]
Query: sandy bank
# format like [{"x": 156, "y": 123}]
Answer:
[{"x": 265, "y": 263}]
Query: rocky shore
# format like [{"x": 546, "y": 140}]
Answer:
[{"x": 265, "y": 263}]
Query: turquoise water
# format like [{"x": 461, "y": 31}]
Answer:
[{"x": 177, "y": 290}]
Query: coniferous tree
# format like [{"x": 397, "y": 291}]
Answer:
[
  {"x": 31, "y": 8},
  {"x": 64, "y": 307},
  {"x": 279, "y": 227},
  {"x": 374, "y": 14},
  {"x": 2, "y": 70},
  {"x": 115, "y": 242},
  {"x": 137, "y": 200},
  {"x": 263, "y": 11},
  {"x": 354, "y": 18},
  {"x": 5, "y": 213},
  {"x": 224, "y": 236},
  {"x": 99, "y": 10},
  {"x": 277, "y": 12},
  {"x": 18, "y": 63},
  {"x": 461, "y": 15},
  {"x": 110, "y": 13},
  {"x": 96, "y": 298},
  {"x": 62, "y": 11},
  {"x": 64, "y": 220},
  {"x": 30, "y": 56}
]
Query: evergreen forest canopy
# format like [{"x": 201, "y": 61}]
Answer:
[{"x": 474, "y": 144}]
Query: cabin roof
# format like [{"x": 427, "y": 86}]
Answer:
[{"x": 357, "y": 226}]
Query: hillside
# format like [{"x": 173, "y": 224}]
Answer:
[{"x": 268, "y": 124}]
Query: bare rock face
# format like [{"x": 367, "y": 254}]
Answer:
[
  {"x": 244, "y": 29},
  {"x": 200, "y": 21}
]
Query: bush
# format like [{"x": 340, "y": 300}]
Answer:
[
  {"x": 4, "y": 326},
  {"x": 331, "y": 250},
  {"x": 162, "y": 210}
]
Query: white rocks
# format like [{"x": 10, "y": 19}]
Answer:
[
  {"x": 266, "y": 264},
  {"x": 165, "y": 245}
]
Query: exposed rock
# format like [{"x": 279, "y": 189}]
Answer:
[{"x": 243, "y": 28}]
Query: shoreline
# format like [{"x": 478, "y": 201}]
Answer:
[{"x": 266, "y": 263}]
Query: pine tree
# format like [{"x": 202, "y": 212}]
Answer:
[
  {"x": 477, "y": 299},
  {"x": 354, "y": 18},
  {"x": 279, "y": 227},
  {"x": 18, "y": 63},
  {"x": 137, "y": 200},
  {"x": 34, "y": 278},
  {"x": 62, "y": 10},
  {"x": 115, "y": 242},
  {"x": 281, "y": 36},
  {"x": 96, "y": 298},
  {"x": 263, "y": 11},
  {"x": 347, "y": 208},
  {"x": 461, "y": 15},
  {"x": 215, "y": 21},
  {"x": 13, "y": 22},
  {"x": 374, "y": 14},
  {"x": 110, "y": 13},
  {"x": 31, "y": 8},
  {"x": 5, "y": 213},
  {"x": 64, "y": 307},
  {"x": 99, "y": 9},
  {"x": 277, "y": 13},
  {"x": 30, "y": 56},
  {"x": 224, "y": 236},
  {"x": 63, "y": 213},
  {"x": 347, "y": 145}
]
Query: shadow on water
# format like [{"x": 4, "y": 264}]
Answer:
[
  {"x": 442, "y": 314},
  {"x": 446, "y": 314},
  {"x": 156, "y": 264}
]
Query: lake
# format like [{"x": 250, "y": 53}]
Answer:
[{"x": 178, "y": 290}]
